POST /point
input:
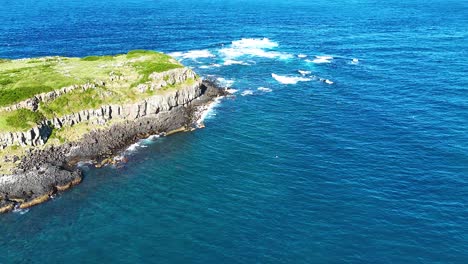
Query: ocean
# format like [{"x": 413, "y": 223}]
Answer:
[{"x": 346, "y": 141}]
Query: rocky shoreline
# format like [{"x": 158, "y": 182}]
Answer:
[{"x": 44, "y": 172}]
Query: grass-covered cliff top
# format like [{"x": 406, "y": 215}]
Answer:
[{"x": 24, "y": 78}]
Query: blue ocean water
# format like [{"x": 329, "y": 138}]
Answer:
[{"x": 362, "y": 157}]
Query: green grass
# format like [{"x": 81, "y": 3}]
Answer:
[
  {"x": 94, "y": 98},
  {"x": 19, "y": 120},
  {"x": 147, "y": 68},
  {"x": 138, "y": 53},
  {"x": 22, "y": 79},
  {"x": 55, "y": 135},
  {"x": 98, "y": 58},
  {"x": 22, "y": 83},
  {"x": 73, "y": 102},
  {"x": 158, "y": 63}
]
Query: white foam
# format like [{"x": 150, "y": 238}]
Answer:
[
  {"x": 134, "y": 147},
  {"x": 264, "y": 89},
  {"x": 289, "y": 79},
  {"x": 20, "y": 211},
  {"x": 210, "y": 66},
  {"x": 231, "y": 91},
  {"x": 322, "y": 59},
  {"x": 303, "y": 73},
  {"x": 302, "y": 56},
  {"x": 247, "y": 92},
  {"x": 154, "y": 137},
  {"x": 193, "y": 54},
  {"x": 208, "y": 111},
  {"x": 254, "y": 48},
  {"x": 232, "y": 53},
  {"x": 327, "y": 81},
  {"x": 235, "y": 62},
  {"x": 355, "y": 61},
  {"x": 225, "y": 82},
  {"x": 84, "y": 163},
  {"x": 264, "y": 43}
]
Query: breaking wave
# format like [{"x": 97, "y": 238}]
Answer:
[
  {"x": 247, "y": 92},
  {"x": 215, "y": 65},
  {"x": 289, "y": 79},
  {"x": 193, "y": 54},
  {"x": 225, "y": 82},
  {"x": 322, "y": 59},
  {"x": 303, "y": 73},
  {"x": 355, "y": 61},
  {"x": 264, "y": 89},
  {"x": 231, "y": 91},
  {"x": 20, "y": 211},
  {"x": 235, "y": 62},
  {"x": 208, "y": 111},
  {"x": 261, "y": 43},
  {"x": 253, "y": 47}
]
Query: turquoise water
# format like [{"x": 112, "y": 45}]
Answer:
[{"x": 370, "y": 166}]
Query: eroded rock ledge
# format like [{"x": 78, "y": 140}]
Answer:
[{"x": 42, "y": 173}]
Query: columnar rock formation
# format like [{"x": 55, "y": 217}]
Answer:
[
  {"x": 149, "y": 106},
  {"x": 44, "y": 171}
]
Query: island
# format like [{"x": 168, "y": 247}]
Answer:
[{"x": 58, "y": 111}]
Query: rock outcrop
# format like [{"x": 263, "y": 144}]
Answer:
[
  {"x": 150, "y": 106},
  {"x": 43, "y": 172},
  {"x": 35, "y": 186}
]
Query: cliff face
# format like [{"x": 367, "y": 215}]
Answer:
[
  {"x": 136, "y": 95},
  {"x": 147, "y": 107},
  {"x": 43, "y": 172}
]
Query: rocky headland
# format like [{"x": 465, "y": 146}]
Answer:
[{"x": 41, "y": 158}]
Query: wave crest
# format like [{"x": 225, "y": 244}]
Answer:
[
  {"x": 253, "y": 47},
  {"x": 322, "y": 59},
  {"x": 193, "y": 54},
  {"x": 263, "y": 43},
  {"x": 289, "y": 79},
  {"x": 264, "y": 89}
]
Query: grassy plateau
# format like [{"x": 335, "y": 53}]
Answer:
[{"x": 23, "y": 78}]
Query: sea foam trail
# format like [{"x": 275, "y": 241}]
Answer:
[
  {"x": 289, "y": 79},
  {"x": 261, "y": 43},
  {"x": 215, "y": 65},
  {"x": 133, "y": 147},
  {"x": 247, "y": 92},
  {"x": 253, "y": 47},
  {"x": 303, "y": 73},
  {"x": 207, "y": 111},
  {"x": 225, "y": 82},
  {"x": 264, "y": 89},
  {"x": 20, "y": 211},
  {"x": 231, "y": 91},
  {"x": 235, "y": 62},
  {"x": 322, "y": 59},
  {"x": 193, "y": 54}
]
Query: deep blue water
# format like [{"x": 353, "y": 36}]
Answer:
[{"x": 372, "y": 168}]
